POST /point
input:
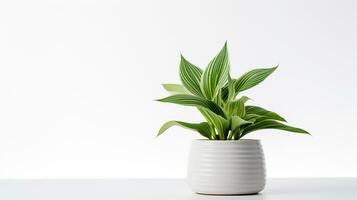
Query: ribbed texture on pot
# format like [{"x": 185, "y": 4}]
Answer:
[{"x": 226, "y": 167}]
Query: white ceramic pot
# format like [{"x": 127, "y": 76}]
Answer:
[{"x": 225, "y": 167}]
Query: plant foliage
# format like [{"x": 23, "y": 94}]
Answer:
[{"x": 214, "y": 93}]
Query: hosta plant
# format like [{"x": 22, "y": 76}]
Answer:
[{"x": 217, "y": 97}]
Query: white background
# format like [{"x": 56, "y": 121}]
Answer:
[{"x": 78, "y": 80}]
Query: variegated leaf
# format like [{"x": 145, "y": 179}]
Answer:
[
  {"x": 203, "y": 128},
  {"x": 190, "y": 76},
  {"x": 216, "y": 74},
  {"x": 263, "y": 113},
  {"x": 231, "y": 89},
  {"x": 252, "y": 78},
  {"x": 190, "y": 100},
  {"x": 272, "y": 124},
  {"x": 175, "y": 88},
  {"x": 237, "y": 122},
  {"x": 236, "y": 107},
  {"x": 220, "y": 123}
]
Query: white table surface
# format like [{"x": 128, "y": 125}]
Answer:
[{"x": 171, "y": 189}]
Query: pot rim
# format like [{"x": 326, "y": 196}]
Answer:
[{"x": 227, "y": 141}]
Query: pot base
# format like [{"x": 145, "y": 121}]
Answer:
[{"x": 208, "y": 194}]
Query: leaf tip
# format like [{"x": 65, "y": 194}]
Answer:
[
  {"x": 158, "y": 134},
  {"x": 304, "y": 132},
  {"x": 160, "y": 100},
  {"x": 225, "y": 46},
  {"x": 182, "y": 57},
  {"x": 165, "y": 85}
]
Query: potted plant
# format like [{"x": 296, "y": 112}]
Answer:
[{"x": 224, "y": 163}]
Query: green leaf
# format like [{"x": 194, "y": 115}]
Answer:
[
  {"x": 237, "y": 122},
  {"x": 236, "y": 107},
  {"x": 224, "y": 93},
  {"x": 216, "y": 74},
  {"x": 263, "y": 113},
  {"x": 231, "y": 89},
  {"x": 251, "y": 116},
  {"x": 190, "y": 77},
  {"x": 203, "y": 128},
  {"x": 252, "y": 78},
  {"x": 256, "y": 118},
  {"x": 175, "y": 88},
  {"x": 271, "y": 124},
  {"x": 190, "y": 100},
  {"x": 218, "y": 99},
  {"x": 220, "y": 123}
]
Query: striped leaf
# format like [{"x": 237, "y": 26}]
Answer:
[
  {"x": 190, "y": 100},
  {"x": 237, "y": 122},
  {"x": 231, "y": 89},
  {"x": 216, "y": 74},
  {"x": 236, "y": 107},
  {"x": 175, "y": 88},
  {"x": 203, "y": 128},
  {"x": 252, "y": 78},
  {"x": 261, "y": 112},
  {"x": 220, "y": 123},
  {"x": 190, "y": 76},
  {"x": 251, "y": 117},
  {"x": 224, "y": 93},
  {"x": 271, "y": 124},
  {"x": 214, "y": 93}
]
